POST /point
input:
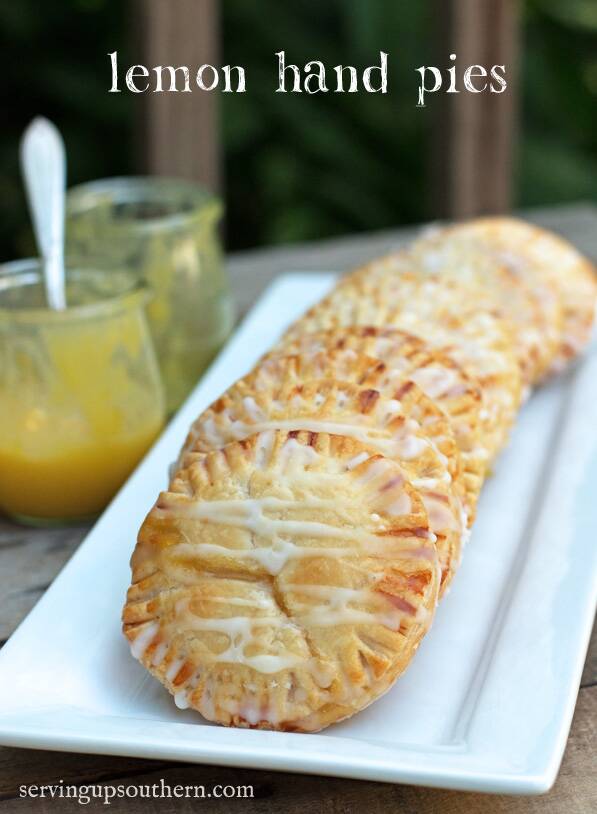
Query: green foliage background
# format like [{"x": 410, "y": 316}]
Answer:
[
  {"x": 302, "y": 167},
  {"x": 558, "y": 145},
  {"x": 298, "y": 167},
  {"x": 54, "y": 56}
]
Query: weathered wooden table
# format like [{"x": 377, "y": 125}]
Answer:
[{"x": 30, "y": 559}]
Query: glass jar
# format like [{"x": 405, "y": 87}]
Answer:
[
  {"x": 165, "y": 231},
  {"x": 81, "y": 398}
]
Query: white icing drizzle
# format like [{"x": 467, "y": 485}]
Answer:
[
  {"x": 159, "y": 654},
  {"x": 392, "y": 409},
  {"x": 263, "y": 449},
  {"x": 143, "y": 640},
  {"x": 357, "y": 460},
  {"x": 252, "y": 408},
  {"x": 174, "y": 668},
  {"x": 274, "y": 557},
  {"x": 466, "y": 534},
  {"x": 406, "y": 444},
  {"x": 441, "y": 516},
  {"x": 429, "y": 483},
  {"x": 248, "y": 514},
  {"x": 401, "y": 506},
  {"x": 293, "y": 454},
  {"x": 209, "y": 430},
  {"x": 437, "y": 382},
  {"x": 252, "y": 602},
  {"x": 376, "y": 469},
  {"x": 239, "y": 630},
  {"x": 334, "y": 609},
  {"x": 325, "y": 617},
  {"x": 412, "y": 447},
  {"x": 181, "y": 699},
  {"x": 248, "y": 710}
]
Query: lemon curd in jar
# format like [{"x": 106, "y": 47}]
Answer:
[{"x": 80, "y": 393}]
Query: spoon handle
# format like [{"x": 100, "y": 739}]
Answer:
[{"x": 43, "y": 164}]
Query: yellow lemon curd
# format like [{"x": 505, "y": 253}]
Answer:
[{"x": 80, "y": 404}]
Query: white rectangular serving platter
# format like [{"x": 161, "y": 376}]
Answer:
[{"x": 487, "y": 702}]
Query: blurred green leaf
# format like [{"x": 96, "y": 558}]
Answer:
[{"x": 580, "y": 13}]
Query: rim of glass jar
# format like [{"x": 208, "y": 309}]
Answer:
[
  {"x": 138, "y": 295},
  {"x": 83, "y": 198}
]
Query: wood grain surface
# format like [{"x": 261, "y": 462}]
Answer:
[
  {"x": 31, "y": 558},
  {"x": 177, "y": 133},
  {"x": 474, "y": 138}
]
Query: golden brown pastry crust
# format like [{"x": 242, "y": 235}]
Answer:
[
  {"x": 325, "y": 405},
  {"x": 346, "y": 366},
  {"x": 445, "y": 315},
  {"x": 438, "y": 375},
  {"x": 525, "y": 301},
  {"x": 283, "y": 581},
  {"x": 550, "y": 265}
]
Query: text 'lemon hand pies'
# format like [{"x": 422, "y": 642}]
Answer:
[
  {"x": 349, "y": 410},
  {"x": 283, "y": 582},
  {"x": 542, "y": 256},
  {"x": 437, "y": 374},
  {"x": 444, "y": 314}
]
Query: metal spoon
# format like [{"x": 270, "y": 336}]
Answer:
[{"x": 43, "y": 164}]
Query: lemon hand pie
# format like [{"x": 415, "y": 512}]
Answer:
[
  {"x": 283, "y": 582},
  {"x": 525, "y": 300},
  {"x": 439, "y": 376},
  {"x": 552, "y": 266},
  {"x": 343, "y": 365},
  {"x": 392, "y": 427},
  {"x": 444, "y": 313}
]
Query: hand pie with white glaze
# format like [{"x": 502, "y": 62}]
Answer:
[
  {"x": 283, "y": 582},
  {"x": 443, "y": 313},
  {"x": 438, "y": 375},
  {"x": 550, "y": 265},
  {"x": 448, "y": 257},
  {"x": 387, "y": 425}
]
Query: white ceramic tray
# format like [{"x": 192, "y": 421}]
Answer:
[{"x": 488, "y": 700}]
